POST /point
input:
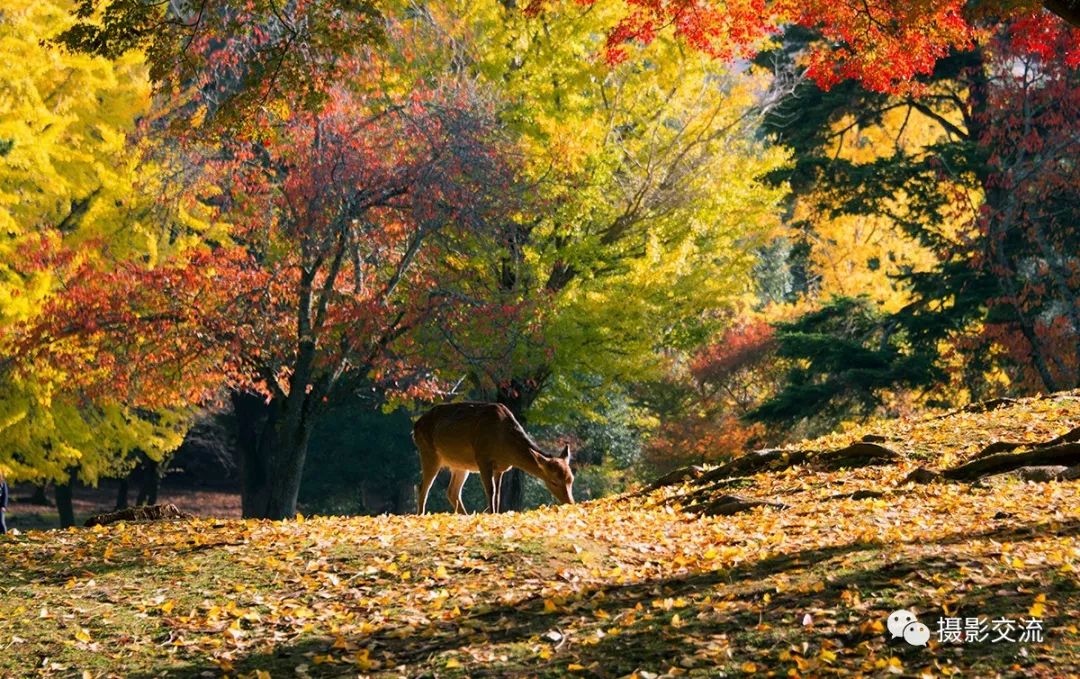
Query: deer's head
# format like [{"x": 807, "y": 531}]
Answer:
[{"x": 558, "y": 476}]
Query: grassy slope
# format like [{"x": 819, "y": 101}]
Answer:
[{"x": 602, "y": 589}]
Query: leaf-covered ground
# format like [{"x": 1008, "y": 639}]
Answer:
[{"x": 611, "y": 588}]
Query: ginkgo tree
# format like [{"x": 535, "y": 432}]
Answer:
[
  {"x": 643, "y": 215},
  {"x": 68, "y": 180}
]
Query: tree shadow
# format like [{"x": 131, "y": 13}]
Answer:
[{"x": 653, "y": 644}]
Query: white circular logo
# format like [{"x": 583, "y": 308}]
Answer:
[
  {"x": 916, "y": 634},
  {"x": 903, "y": 624},
  {"x": 899, "y": 620}
]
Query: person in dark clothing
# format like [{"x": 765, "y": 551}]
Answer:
[{"x": 3, "y": 503}]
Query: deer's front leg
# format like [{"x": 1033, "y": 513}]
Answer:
[{"x": 496, "y": 481}]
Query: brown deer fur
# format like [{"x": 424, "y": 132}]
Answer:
[{"x": 486, "y": 439}]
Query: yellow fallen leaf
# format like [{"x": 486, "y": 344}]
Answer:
[
  {"x": 550, "y": 607},
  {"x": 749, "y": 667},
  {"x": 363, "y": 659},
  {"x": 1037, "y": 609},
  {"x": 574, "y": 667},
  {"x": 83, "y": 635},
  {"x": 167, "y": 606},
  {"x": 452, "y": 664}
]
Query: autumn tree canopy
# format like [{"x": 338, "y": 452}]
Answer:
[
  {"x": 575, "y": 208},
  {"x": 884, "y": 45},
  {"x": 69, "y": 181}
]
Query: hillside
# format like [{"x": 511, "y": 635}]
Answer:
[{"x": 610, "y": 588}]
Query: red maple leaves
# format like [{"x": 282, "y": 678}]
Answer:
[
  {"x": 884, "y": 45},
  {"x": 339, "y": 223}
]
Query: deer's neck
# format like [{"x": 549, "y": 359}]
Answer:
[{"x": 529, "y": 462}]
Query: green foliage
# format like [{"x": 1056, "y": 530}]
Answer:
[
  {"x": 842, "y": 356},
  {"x": 360, "y": 461},
  {"x": 980, "y": 222}
]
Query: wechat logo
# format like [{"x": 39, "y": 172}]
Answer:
[{"x": 904, "y": 624}]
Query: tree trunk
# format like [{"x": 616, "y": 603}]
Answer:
[
  {"x": 272, "y": 443},
  {"x": 122, "y": 494},
  {"x": 253, "y": 417},
  {"x": 287, "y": 469},
  {"x": 39, "y": 497},
  {"x": 1002, "y": 222},
  {"x": 1069, "y": 10},
  {"x": 63, "y": 501},
  {"x": 150, "y": 482},
  {"x": 512, "y": 491},
  {"x": 517, "y": 396}
]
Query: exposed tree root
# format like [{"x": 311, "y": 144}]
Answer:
[
  {"x": 859, "y": 454},
  {"x": 981, "y": 407},
  {"x": 922, "y": 475},
  {"x": 1065, "y": 454},
  {"x": 726, "y": 505},
  {"x": 677, "y": 476},
  {"x": 1071, "y": 436},
  {"x": 754, "y": 462},
  {"x": 859, "y": 495}
]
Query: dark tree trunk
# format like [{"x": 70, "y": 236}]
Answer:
[
  {"x": 1069, "y": 10},
  {"x": 39, "y": 497},
  {"x": 122, "y": 494},
  {"x": 63, "y": 502},
  {"x": 517, "y": 396},
  {"x": 1002, "y": 224},
  {"x": 253, "y": 416},
  {"x": 288, "y": 468},
  {"x": 150, "y": 482},
  {"x": 272, "y": 439},
  {"x": 512, "y": 491}
]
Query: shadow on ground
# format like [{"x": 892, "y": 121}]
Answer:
[{"x": 754, "y": 632}]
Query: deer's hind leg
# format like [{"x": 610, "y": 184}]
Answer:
[
  {"x": 453, "y": 491},
  {"x": 487, "y": 473},
  {"x": 429, "y": 469}
]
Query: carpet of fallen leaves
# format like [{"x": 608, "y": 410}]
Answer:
[{"x": 626, "y": 586}]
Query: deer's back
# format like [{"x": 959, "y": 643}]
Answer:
[{"x": 455, "y": 432}]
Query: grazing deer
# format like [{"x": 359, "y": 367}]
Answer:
[{"x": 483, "y": 438}]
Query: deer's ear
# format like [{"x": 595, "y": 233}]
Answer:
[{"x": 566, "y": 452}]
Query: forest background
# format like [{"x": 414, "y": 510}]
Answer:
[{"x": 247, "y": 241}]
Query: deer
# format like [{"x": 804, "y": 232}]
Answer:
[{"x": 487, "y": 439}]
